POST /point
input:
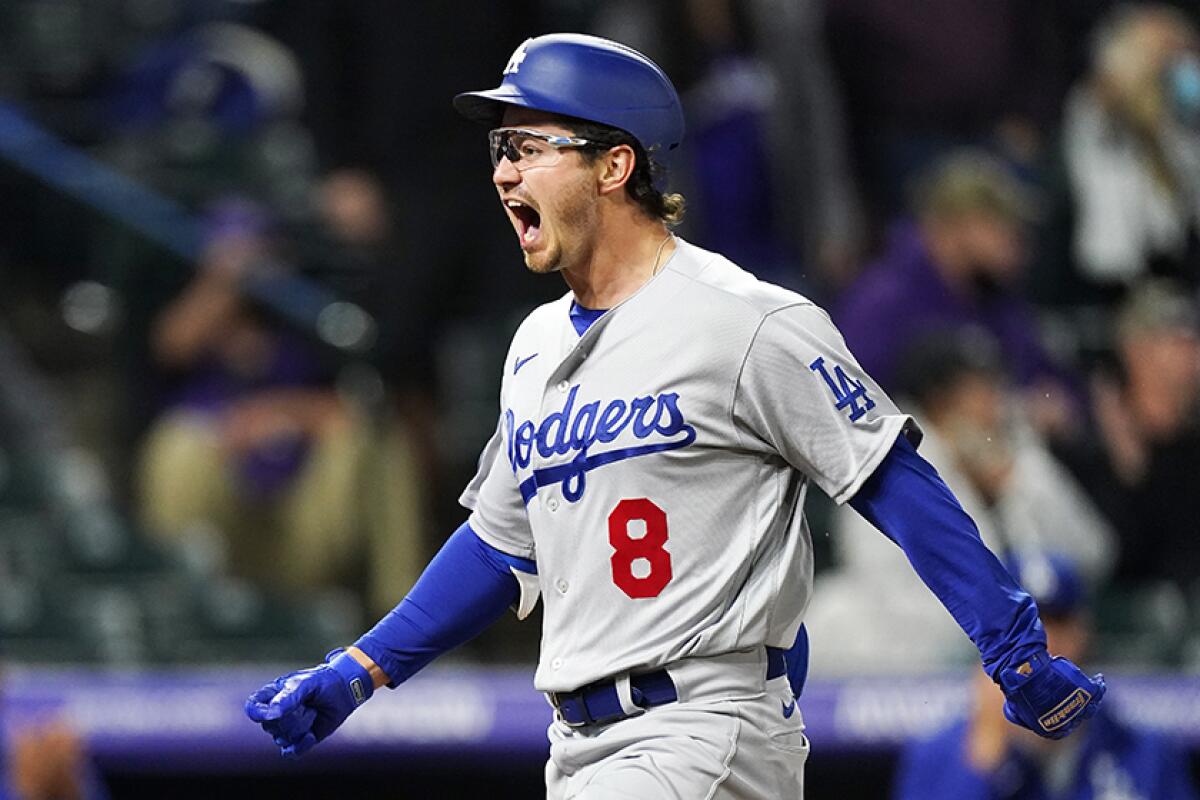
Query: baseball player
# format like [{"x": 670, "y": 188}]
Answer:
[{"x": 659, "y": 426}]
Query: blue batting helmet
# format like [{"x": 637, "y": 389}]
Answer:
[{"x": 590, "y": 78}]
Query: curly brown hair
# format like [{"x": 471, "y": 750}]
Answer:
[{"x": 665, "y": 206}]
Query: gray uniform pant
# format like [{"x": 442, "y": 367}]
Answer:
[{"x": 732, "y": 734}]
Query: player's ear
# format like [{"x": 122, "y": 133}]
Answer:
[{"x": 615, "y": 168}]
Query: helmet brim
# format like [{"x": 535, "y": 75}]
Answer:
[{"x": 487, "y": 107}]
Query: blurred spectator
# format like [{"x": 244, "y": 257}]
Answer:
[
  {"x": 958, "y": 264},
  {"x": 262, "y": 444},
  {"x": 1145, "y": 469},
  {"x": 211, "y": 110},
  {"x": 987, "y": 758},
  {"x": 1021, "y": 499},
  {"x": 1131, "y": 145},
  {"x": 207, "y": 112},
  {"x": 356, "y": 249},
  {"x": 1031, "y": 501},
  {"x": 48, "y": 762},
  {"x": 359, "y": 220}
]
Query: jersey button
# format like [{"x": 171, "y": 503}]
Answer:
[
  {"x": 552, "y": 504},
  {"x": 556, "y": 663},
  {"x": 562, "y": 585},
  {"x": 563, "y": 386}
]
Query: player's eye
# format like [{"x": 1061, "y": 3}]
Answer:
[
  {"x": 503, "y": 146},
  {"x": 528, "y": 147}
]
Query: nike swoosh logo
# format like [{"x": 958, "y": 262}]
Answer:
[
  {"x": 788, "y": 709},
  {"x": 520, "y": 362}
]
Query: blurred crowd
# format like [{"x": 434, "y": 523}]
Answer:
[
  {"x": 257, "y": 383},
  {"x": 257, "y": 289}
]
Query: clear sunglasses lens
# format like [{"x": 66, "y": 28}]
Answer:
[
  {"x": 522, "y": 149},
  {"x": 497, "y": 142}
]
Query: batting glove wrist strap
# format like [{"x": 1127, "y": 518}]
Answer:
[
  {"x": 1049, "y": 696},
  {"x": 357, "y": 678}
]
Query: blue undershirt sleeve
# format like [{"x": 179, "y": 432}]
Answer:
[
  {"x": 466, "y": 587},
  {"x": 907, "y": 500}
]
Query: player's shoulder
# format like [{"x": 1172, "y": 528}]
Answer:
[{"x": 716, "y": 282}]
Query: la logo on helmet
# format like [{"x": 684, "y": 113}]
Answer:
[{"x": 518, "y": 56}]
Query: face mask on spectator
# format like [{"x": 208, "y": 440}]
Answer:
[{"x": 1182, "y": 79}]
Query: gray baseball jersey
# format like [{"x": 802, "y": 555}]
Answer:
[{"x": 655, "y": 467}]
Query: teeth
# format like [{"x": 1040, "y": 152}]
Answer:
[
  {"x": 529, "y": 234},
  {"x": 514, "y": 204}
]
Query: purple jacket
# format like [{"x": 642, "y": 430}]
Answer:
[{"x": 901, "y": 297}]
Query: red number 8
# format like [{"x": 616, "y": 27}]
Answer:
[{"x": 650, "y": 547}]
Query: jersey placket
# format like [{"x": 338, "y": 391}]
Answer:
[
  {"x": 550, "y": 517},
  {"x": 555, "y": 392}
]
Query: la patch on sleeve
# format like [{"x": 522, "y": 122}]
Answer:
[{"x": 849, "y": 393}]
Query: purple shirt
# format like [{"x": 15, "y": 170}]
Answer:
[
  {"x": 212, "y": 388},
  {"x": 902, "y": 297}
]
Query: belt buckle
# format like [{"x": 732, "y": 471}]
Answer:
[{"x": 556, "y": 700}]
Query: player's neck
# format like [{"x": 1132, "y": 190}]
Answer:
[{"x": 626, "y": 255}]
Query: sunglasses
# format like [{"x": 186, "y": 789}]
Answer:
[{"x": 526, "y": 149}]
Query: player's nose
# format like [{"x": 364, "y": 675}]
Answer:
[{"x": 505, "y": 175}]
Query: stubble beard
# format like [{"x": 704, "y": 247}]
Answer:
[
  {"x": 544, "y": 261},
  {"x": 576, "y": 213}
]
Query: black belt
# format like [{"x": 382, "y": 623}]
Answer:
[{"x": 598, "y": 703}]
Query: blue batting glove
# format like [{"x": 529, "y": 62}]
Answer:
[
  {"x": 1050, "y": 696},
  {"x": 302, "y": 708}
]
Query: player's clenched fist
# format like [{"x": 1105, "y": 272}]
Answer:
[
  {"x": 1050, "y": 696},
  {"x": 302, "y": 708}
]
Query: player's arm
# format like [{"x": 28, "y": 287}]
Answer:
[
  {"x": 803, "y": 395},
  {"x": 908, "y": 501},
  {"x": 468, "y": 586}
]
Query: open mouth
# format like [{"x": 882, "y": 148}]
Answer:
[{"x": 526, "y": 220}]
